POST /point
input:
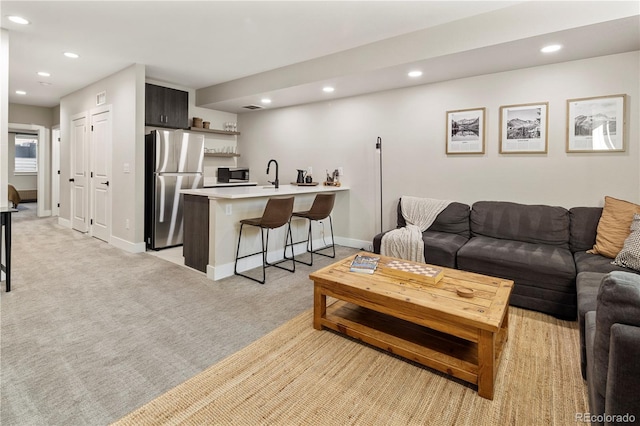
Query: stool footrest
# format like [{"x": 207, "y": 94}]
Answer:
[{"x": 263, "y": 253}]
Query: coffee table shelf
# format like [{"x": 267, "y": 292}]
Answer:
[{"x": 457, "y": 357}]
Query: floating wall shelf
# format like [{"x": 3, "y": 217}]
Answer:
[
  {"x": 219, "y": 132},
  {"x": 220, "y": 154}
]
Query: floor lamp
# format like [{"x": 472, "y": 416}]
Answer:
[{"x": 379, "y": 151}]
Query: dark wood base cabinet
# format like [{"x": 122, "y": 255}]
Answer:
[{"x": 196, "y": 232}]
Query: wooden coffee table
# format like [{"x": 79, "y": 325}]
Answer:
[{"x": 427, "y": 323}]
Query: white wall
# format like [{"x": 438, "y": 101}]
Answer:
[
  {"x": 411, "y": 122},
  {"x": 30, "y": 114},
  {"x": 125, "y": 93},
  {"x": 4, "y": 116},
  {"x": 211, "y": 140}
]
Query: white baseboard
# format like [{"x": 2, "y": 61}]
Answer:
[
  {"x": 356, "y": 244},
  {"x": 226, "y": 270},
  {"x": 115, "y": 241},
  {"x": 128, "y": 245}
]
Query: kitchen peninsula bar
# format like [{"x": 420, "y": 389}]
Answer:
[{"x": 212, "y": 216}]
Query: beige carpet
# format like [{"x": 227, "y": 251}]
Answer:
[{"x": 300, "y": 376}]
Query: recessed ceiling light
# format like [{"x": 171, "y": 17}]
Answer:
[
  {"x": 71, "y": 55},
  {"x": 266, "y": 101},
  {"x": 18, "y": 20},
  {"x": 415, "y": 73},
  {"x": 328, "y": 89},
  {"x": 20, "y": 92},
  {"x": 551, "y": 48},
  {"x": 44, "y": 74}
]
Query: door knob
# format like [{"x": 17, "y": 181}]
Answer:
[
  {"x": 106, "y": 183},
  {"x": 72, "y": 180}
]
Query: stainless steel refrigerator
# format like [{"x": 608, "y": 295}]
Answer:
[{"x": 173, "y": 161}]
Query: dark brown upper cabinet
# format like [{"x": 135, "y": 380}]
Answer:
[{"x": 166, "y": 107}]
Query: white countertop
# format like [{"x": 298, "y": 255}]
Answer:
[
  {"x": 239, "y": 192},
  {"x": 216, "y": 184}
]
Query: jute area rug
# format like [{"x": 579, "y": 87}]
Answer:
[{"x": 300, "y": 376}]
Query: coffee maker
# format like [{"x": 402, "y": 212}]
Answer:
[{"x": 301, "y": 176}]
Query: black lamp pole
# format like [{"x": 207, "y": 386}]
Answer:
[{"x": 379, "y": 149}]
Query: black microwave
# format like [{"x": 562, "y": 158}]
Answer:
[{"x": 232, "y": 175}]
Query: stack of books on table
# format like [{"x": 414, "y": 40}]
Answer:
[{"x": 364, "y": 264}]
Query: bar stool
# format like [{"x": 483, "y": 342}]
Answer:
[
  {"x": 320, "y": 210},
  {"x": 277, "y": 213}
]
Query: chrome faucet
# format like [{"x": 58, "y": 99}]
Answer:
[{"x": 275, "y": 182}]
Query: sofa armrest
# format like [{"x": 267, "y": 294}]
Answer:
[
  {"x": 618, "y": 303},
  {"x": 377, "y": 241},
  {"x": 623, "y": 380}
]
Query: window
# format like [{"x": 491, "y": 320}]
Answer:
[{"x": 26, "y": 160}]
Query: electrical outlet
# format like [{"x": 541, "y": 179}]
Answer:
[
  {"x": 126, "y": 224},
  {"x": 310, "y": 170},
  {"x": 340, "y": 171},
  {"x": 227, "y": 209}
]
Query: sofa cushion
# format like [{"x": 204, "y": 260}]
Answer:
[
  {"x": 454, "y": 219},
  {"x": 614, "y": 226},
  {"x": 587, "y": 262},
  {"x": 596, "y": 401},
  {"x": 587, "y": 286},
  {"x": 540, "y": 265},
  {"x": 536, "y": 224},
  {"x": 629, "y": 256},
  {"x": 560, "y": 302},
  {"x": 583, "y": 225},
  {"x": 618, "y": 303},
  {"x": 440, "y": 248}
]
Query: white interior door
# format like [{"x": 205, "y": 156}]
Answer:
[
  {"x": 100, "y": 223},
  {"x": 78, "y": 180}
]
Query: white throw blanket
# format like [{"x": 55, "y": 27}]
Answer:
[{"x": 406, "y": 243}]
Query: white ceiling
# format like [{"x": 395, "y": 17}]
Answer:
[{"x": 237, "y": 52}]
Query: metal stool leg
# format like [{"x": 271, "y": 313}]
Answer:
[
  {"x": 310, "y": 248},
  {"x": 332, "y": 245},
  {"x": 265, "y": 263},
  {"x": 277, "y": 264},
  {"x": 264, "y": 259}
]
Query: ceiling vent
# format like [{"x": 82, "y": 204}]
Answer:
[{"x": 252, "y": 107}]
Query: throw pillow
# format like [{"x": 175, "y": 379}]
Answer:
[
  {"x": 613, "y": 227},
  {"x": 629, "y": 256}
]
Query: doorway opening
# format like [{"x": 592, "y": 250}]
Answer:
[{"x": 29, "y": 148}]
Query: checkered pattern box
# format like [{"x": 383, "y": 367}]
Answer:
[{"x": 408, "y": 270}]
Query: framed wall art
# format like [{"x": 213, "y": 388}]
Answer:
[
  {"x": 596, "y": 124},
  {"x": 523, "y": 128},
  {"x": 465, "y": 131}
]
